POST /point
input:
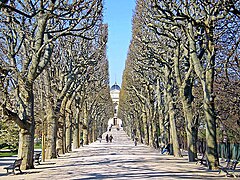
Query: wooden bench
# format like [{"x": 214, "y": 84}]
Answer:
[
  {"x": 37, "y": 158},
  {"x": 16, "y": 165},
  {"x": 229, "y": 169}
]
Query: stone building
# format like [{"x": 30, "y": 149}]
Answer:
[{"x": 114, "y": 92}]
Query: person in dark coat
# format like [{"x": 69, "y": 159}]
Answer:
[
  {"x": 107, "y": 139},
  {"x": 110, "y": 138},
  {"x": 166, "y": 149},
  {"x": 100, "y": 138}
]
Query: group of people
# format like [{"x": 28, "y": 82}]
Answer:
[
  {"x": 109, "y": 138},
  {"x": 165, "y": 149},
  {"x": 110, "y": 127}
]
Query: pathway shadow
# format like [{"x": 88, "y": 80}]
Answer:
[
  {"x": 117, "y": 161},
  {"x": 145, "y": 175},
  {"x": 18, "y": 173},
  {"x": 46, "y": 163},
  {"x": 5, "y": 163}
]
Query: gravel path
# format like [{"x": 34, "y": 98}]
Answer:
[{"x": 117, "y": 160}]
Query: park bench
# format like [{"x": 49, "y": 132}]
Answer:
[
  {"x": 15, "y": 166},
  {"x": 37, "y": 158},
  {"x": 229, "y": 169}
]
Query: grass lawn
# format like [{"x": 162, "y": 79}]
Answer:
[
  {"x": 7, "y": 154},
  {"x": 37, "y": 146}
]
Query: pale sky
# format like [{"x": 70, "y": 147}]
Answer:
[{"x": 118, "y": 16}]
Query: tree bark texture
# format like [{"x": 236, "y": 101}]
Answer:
[
  {"x": 76, "y": 129},
  {"x": 145, "y": 128},
  {"x": 26, "y": 135},
  {"x": 61, "y": 131},
  {"x": 69, "y": 116},
  {"x": 51, "y": 151},
  {"x": 171, "y": 112},
  {"x": 206, "y": 77}
]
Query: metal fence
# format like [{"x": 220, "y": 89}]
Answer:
[
  {"x": 225, "y": 150},
  {"x": 229, "y": 151}
]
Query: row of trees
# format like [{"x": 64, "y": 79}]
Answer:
[
  {"x": 54, "y": 73},
  {"x": 181, "y": 79}
]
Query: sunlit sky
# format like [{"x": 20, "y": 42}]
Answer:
[{"x": 118, "y": 16}]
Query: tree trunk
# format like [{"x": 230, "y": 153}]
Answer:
[
  {"x": 150, "y": 130},
  {"x": 185, "y": 93},
  {"x": 211, "y": 141},
  {"x": 166, "y": 131},
  {"x": 76, "y": 130},
  {"x": 43, "y": 141},
  {"x": 211, "y": 138},
  {"x": 26, "y": 136},
  {"x": 68, "y": 126},
  {"x": 211, "y": 133},
  {"x": 191, "y": 125},
  {"x": 155, "y": 134},
  {"x": 26, "y": 148},
  {"x": 206, "y": 75},
  {"x": 94, "y": 129},
  {"x": 138, "y": 133},
  {"x": 191, "y": 129},
  {"x": 171, "y": 111},
  {"x": 44, "y": 123},
  {"x": 85, "y": 125},
  {"x": 174, "y": 137},
  {"x": 80, "y": 132},
  {"x": 145, "y": 128},
  {"x": 61, "y": 132},
  {"x": 51, "y": 125},
  {"x": 85, "y": 136},
  {"x": 160, "y": 112},
  {"x": 51, "y": 131},
  {"x": 68, "y": 132}
]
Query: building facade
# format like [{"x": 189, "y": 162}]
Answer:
[{"x": 114, "y": 92}]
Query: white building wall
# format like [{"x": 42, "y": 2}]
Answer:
[{"x": 115, "y": 98}]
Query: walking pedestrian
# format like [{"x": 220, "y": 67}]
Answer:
[
  {"x": 110, "y": 138},
  {"x": 81, "y": 142},
  {"x": 135, "y": 141},
  {"x": 107, "y": 138},
  {"x": 100, "y": 138}
]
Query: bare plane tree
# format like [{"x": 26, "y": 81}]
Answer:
[{"x": 28, "y": 33}]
